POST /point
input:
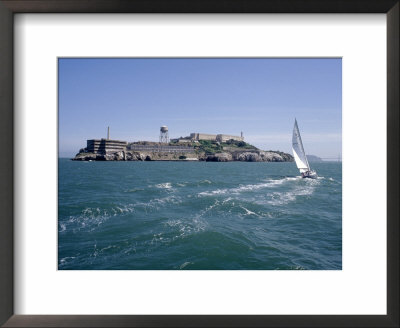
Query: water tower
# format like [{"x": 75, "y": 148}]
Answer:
[{"x": 164, "y": 138}]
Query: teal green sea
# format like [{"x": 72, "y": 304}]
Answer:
[{"x": 198, "y": 216}]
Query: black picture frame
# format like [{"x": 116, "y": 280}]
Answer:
[{"x": 10, "y": 7}]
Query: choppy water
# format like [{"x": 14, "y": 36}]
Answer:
[{"x": 198, "y": 215}]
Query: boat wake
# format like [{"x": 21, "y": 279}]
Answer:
[{"x": 269, "y": 183}]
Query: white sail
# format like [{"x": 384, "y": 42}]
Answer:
[{"x": 298, "y": 150}]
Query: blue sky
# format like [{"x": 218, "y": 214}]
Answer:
[{"x": 260, "y": 97}]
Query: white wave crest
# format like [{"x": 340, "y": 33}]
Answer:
[
  {"x": 184, "y": 265},
  {"x": 248, "y": 212},
  {"x": 270, "y": 183},
  {"x": 185, "y": 227},
  {"x": 66, "y": 259},
  {"x": 166, "y": 185},
  {"x": 283, "y": 198},
  {"x": 92, "y": 217},
  {"x": 134, "y": 190},
  {"x": 62, "y": 227}
]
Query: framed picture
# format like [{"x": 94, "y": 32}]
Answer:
[
  {"x": 190, "y": 193},
  {"x": 186, "y": 231}
]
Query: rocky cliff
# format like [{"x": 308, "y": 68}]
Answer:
[
  {"x": 226, "y": 156},
  {"x": 250, "y": 156},
  {"x": 204, "y": 150}
]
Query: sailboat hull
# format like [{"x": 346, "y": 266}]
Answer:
[{"x": 309, "y": 175}]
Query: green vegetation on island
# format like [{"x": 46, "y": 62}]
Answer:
[{"x": 214, "y": 147}]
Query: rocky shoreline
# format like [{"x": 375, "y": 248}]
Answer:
[{"x": 253, "y": 155}]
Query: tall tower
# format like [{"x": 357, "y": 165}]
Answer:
[
  {"x": 241, "y": 134},
  {"x": 164, "y": 138},
  {"x": 108, "y": 133}
]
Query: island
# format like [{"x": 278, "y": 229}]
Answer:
[{"x": 196, "y": 147}]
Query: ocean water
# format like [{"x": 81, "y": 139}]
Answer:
[{"x": 198, "y": 216}]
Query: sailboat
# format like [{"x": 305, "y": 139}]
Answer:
[{"x": 300, "y": 155}]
